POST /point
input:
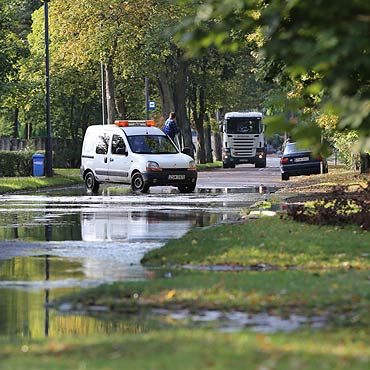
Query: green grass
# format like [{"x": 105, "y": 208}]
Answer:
[
  {"x": 207, "y": 166},
  {"x": 62, "y": 177},
  {"x": 341, "y": 296},
  {"x": 312, "y": 269},
  {"x": 194, "y": 349},
  {"x": 272, "y": 241}
]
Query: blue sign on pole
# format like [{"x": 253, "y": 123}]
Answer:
[{"x": 151, "y": 105}]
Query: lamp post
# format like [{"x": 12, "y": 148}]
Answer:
[
  {"x": 49, "y": 141},
  {"x": 146, "y": 98}
]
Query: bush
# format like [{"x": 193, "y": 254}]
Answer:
[
  {"x": 337, "y": 208},
  {"x": 16, "y": 163}
]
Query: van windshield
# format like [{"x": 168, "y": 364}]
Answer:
[
  {"x": 151, "y": 144},
  {"x": 243, "y": 125}
]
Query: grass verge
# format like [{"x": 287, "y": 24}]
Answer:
[
  {"x": 194, "y": 349},
  {"x": 62, "y": 177}
]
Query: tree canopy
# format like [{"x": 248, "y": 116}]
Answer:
[{"x": 317, "y": 50}]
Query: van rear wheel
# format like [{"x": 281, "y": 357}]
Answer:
[
  {"x": 138, "y": 184},
  {"x": 90, "y": 182}
]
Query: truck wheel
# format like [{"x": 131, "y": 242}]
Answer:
[
  {"x": 261, "y": 164},
  {"x": 138, "y": 184},
  {"x": 284, "y": 176},
  {"x": 186, "y": 188},
  {"x": 90, "y": 182}
]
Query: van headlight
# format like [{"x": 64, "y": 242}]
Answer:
[
  {"x": 153, "y": 166},
  {"x": 192, "y": 165}
]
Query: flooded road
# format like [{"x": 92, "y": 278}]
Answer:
[{"x": 56, "y": 242}]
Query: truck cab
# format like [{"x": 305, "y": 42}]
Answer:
[
  {"x": 243, "y": 139},
  {"x": 135, "y": 153}
]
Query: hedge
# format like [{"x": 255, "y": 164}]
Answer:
[{"x": 16, "y": 163}]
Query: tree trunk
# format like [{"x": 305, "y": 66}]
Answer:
[
  {"x": 198, "y": 116},
  {"x": 217, "y": 146},
  {"x": 201, "y": 156},
  {"x": 166, "y": 93},
  {"x": 365, "y": 162},
  {"x": 207, "y": 144},
  {"x": 72, "y": 116},
  {"x": 180, "y": 103},
  {"x": 109, "y": 90},
  {"x": 15, "y": 123},
  {"x": 121, "y": 106}
]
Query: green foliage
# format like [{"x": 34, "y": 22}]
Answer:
[
  {"x": 6, "y": 129},
  {"x": 16, "y": 163},
  {"x": 317, "y": 51},
  {"x": 344, "y": 143},
  {"x": 330, "y": 40}
]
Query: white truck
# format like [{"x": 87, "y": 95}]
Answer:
[{"x": 243, "y": 139}]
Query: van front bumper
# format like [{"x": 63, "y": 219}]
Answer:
[{"x": 171, "y": 177}]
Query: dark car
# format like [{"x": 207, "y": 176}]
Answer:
[{"x": 297, "y": 161}]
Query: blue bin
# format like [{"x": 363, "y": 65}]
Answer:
[{"x": 38, "y": 165}]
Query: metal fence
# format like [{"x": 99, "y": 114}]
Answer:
[{"x": 19, "y": 144}]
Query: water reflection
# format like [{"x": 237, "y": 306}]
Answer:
[
  {"x": 23, "y": 314},
  {"x": 142, "y": 225}
]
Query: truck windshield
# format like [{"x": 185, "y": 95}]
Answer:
[
  {"x": 243, "y": 125},
  {"x": 151, "y": 144}
]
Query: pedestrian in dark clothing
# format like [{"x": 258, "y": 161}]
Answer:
[{"x": 170, "y": 127}]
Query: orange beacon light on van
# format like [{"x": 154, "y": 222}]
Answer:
[{"x": 121, "y": 123}]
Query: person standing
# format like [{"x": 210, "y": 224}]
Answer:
[{"x": 170, "y": 126}]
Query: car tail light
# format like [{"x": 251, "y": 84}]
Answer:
[{"x": 284, "y": 160}]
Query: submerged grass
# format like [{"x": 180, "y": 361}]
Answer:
[{"x": 342, "y": 297}]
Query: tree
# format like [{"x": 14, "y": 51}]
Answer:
[
  {"x": 15, "y": 24},
  {"x": 320, "y": 46}
]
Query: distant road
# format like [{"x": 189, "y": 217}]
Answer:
[{"x": 243, "y": 175}]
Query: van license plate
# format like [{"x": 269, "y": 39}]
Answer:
[{"x": 176, "y": 177}]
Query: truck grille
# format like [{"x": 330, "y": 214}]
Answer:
[{"x": 243, "y": 147}]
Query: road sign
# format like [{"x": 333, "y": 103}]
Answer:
[{"x": 151, "y": 105}]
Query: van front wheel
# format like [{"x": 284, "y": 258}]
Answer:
[
  {"x": 138, "y": 184},
  {"x": 90, "y": 182}
]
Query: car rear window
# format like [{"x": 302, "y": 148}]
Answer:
[{"x": 291, "y": 148}]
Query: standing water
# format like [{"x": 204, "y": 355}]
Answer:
[{"x": 52, "y": 245}]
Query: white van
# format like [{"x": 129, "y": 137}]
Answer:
[{"x": 136, "y": 153}]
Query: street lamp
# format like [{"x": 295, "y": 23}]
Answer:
[
  {"x": 146, "y": 98},
  {"x": 49, "y": 141}
]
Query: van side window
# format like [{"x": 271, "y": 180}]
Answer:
[
  {"x": 118, "y": 145},
  {"x": 102, "y": 144}
]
